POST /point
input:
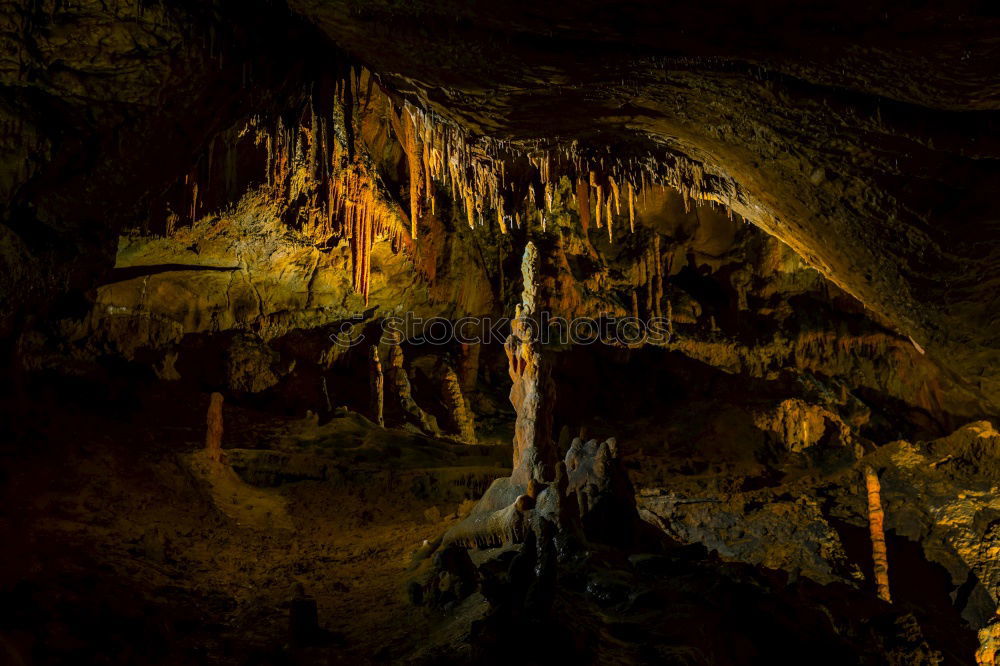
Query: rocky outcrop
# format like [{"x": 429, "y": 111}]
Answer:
[
  {"x": 789, "y": 535},
  {"x": 942, "y": 494},
  {"x": 989, "y": 645}
]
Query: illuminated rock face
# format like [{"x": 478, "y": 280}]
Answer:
[
  {"x": 989, "y": 645},
  {"x": 818, "y": 149}
]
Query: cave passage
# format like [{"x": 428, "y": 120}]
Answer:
[{"x": 459, "y": 332}]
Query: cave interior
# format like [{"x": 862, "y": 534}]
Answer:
[{"x": 464, "y": 332}]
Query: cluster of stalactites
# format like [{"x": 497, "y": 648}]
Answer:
[
  {"x": 337, "y": 191},
  {"x": 334, "y": 191},
  {"x": 477, "y": 172}
]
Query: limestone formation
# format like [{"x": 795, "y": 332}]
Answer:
[
  {"x": 468, "y": 367},
  {"x": 213, "y": 434},
  {"x": 877, "y": 530},
  {"x": 377, "y": 382},
  {"x": 400, "y": 381},
  {"x": 532, "y": 393},
  {"x": 455, "y": 402},
  {"x": 988, "y": 653}
]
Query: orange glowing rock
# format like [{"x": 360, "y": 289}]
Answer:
[{"x": 875, "y": 525}]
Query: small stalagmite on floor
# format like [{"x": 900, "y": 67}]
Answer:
[
  {"x": 377, "y": 385},
  {"x": 451, "y": 391},
  {"x": 400, "y": 383},
  {"x": 213, "y": 434}
]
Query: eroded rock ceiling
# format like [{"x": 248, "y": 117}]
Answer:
[{"x": 866, "y": 144}]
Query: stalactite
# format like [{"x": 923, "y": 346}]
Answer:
[
  {"x": 610, "y": 222},
  {"x": 877, "y": 530},
  {"x": 583, "y": 203},
  {"x": 616, "y": 195},
  {"x": 335, "y": 191},
  {"x": 648, "y": 271},
  {"x": 377, "y": 385},
  {"x": 631, "y": 207},
  {"x": 598, "y": 203},
  {"x": 213, "y": 433},
  {"x": 406, "y": 131}
]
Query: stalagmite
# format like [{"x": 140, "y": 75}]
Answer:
[
  {"x": 326, "y": 395},
  {"x": 451, "y": 391},
  {"x": 377, "y": 385},
  {"x": 400, "y": 382},
  {"x": 533, "y": 391},
  {"x": 213, "y": 434},
  {"x": 875, "y": 525},
  {"x": 468, "y": 367}
]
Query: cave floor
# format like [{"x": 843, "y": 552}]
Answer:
[
  {"x": 133, "y": 547},
  {"x": 123, "y": 552}
]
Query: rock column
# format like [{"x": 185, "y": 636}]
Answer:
[
  {"x": 533, "y": 392},
  {"x": 875, "y": 525}
]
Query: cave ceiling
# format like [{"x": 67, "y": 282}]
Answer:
[{"x": 867, "y": 143}]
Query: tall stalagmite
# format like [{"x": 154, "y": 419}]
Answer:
[
  {"x": 533, "y": 391},
  {"x": 213, "y": 434},
  {"x": 377, "y": 385},
  {"x": 400, "y": 382},
  {"x": 875, "y": 525},
  {"x": 454, "y": 399}
]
